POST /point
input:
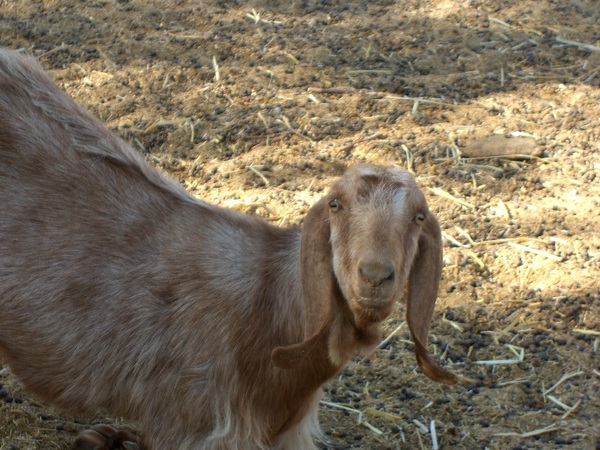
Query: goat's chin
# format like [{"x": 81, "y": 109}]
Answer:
[{"x": 369, "y": 312}]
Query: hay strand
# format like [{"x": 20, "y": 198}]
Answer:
[
  {"x": 586, "y": 332},
  {"x": 421, "y": 426},
  {"x": 383, "y": 415},
  {"x": 216, "y": 68},
  {"x": 391, "y": 335},
  {"x": 433, "y": 432},
  {"x": 532, "y": 433},
  {"x": 534, "y": 251},
  {"x": 562, "y": 379},
  {"x": 366, "y": 424},
  {"x": 579, "y": 45},
  {"x": 260, "y": 175},
  {"x": 442, "y": 193}
]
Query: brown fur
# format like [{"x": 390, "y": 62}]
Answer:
[{"x": 212, "y": 329}]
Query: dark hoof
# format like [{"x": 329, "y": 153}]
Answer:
[{"x": 105, "y": 437}]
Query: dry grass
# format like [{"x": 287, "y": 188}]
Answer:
[{"x": 259, "y": 106}]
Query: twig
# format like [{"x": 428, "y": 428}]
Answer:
[
  {"x": 466, "y": 235},
  {"x": 506, "y": 240},
  {"x": 453, "y": 241},
  {"x": 562, "y": 379},
  {"x": 500, "y": 22},
  {"x": 559, "y": 403},
  {"x": 518, "y": 351},
  {"x": 587, "y": 332},
  {"x": 415, "y": 107},
  {"x": 344, "y": 408},
  {"x": 54, "y": 50},
  {"x": 441, "y": 193},
  {"x": 383, "y": 415},
  {"x": 573, "y": 408},
  {"x": 255, "y": 17},
  {"x": 166, "y": 123},
  {"x": 360, "y": 415},
  {"x": 391, "y": 335},
  {"x": 511, "y": 382},
  {"x": 284, "y": 120},
  {"x": 139, "y": 144},
  {"x": 409, "y": 158},
  {"x": 377, "y": 431},
  {"x": 192, "y": 131},
  {"x": 334, "y": 90},
  {"x": 568, "y": 409},
  {"x": 475, "y": 258},
  {"x": 453, "y": 324},
  {"x": 579, "y": 45},
  {"x": 497, "y": 362},
  {"x": 422, "y": 428},
  {"x": 291, "y": 57},
  {"x": 534, "y": 251},
  {"x": 434, "y": 441},
  {"x": 427, "y": 101},
  {"x": 346, "y": 148},
  {"x": 262, "y": 177},
  {"x": 373, "y": 71},
  {"x": 216, "y": 67},
  {"x": 532, "y": 433},
  {"x": 421, "y": 446}
]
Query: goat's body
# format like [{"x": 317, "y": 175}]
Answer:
[
  {"x": 145, "y": 344},
  {"x": 212, "y": 329}
]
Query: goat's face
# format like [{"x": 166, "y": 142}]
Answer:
[
  {"x": 375, "y": 221},
  {"x": 367, "y": 238}
]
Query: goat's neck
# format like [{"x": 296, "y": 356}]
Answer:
[
  {"x": 269, "y": 298},
  {"x": 334, "y": 345}
]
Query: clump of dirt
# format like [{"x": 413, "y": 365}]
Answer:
[{"x": 259, "y": 106}]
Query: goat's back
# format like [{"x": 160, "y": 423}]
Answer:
[
  {"x": 101, "y": 256},
  {"x": 80, "y": 214}
]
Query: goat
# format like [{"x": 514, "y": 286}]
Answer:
[{"x": 210, "y": 328}]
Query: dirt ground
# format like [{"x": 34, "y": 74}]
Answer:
[{"x": 260, "y": 105}]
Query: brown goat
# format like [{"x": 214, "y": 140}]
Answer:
[{"x": 210, "y": 328}]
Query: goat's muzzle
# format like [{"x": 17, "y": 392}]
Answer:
[
  {"x": 376, "y": 273},
  {"x": 377, "y": 282},
  {"x": 376, "y": 291}
]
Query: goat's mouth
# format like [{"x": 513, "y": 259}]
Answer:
[
  {"x": 373, "y": 303},
  {"x": 375, "y": 297}
]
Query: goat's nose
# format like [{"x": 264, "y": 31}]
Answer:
[{"x": 376, "y": 272}]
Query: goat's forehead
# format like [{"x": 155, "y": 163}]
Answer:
[
  {"x": 381, "y": 175},
  {"x": 372, "y": 182}
]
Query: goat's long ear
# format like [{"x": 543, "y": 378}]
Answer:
[
  {"x": 423, "y": 283},
  {"x": 318, "y": 287}
]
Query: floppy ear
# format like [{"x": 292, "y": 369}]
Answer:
[
  {"x": 423, "y": 283},
  {"x": 318, "y": 288}
]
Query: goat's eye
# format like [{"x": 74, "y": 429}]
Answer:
[
  {"x": 335, "y": 205},
  {"x": 420, "y": 218}
]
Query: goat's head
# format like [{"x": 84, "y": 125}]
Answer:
[{"x": 369, "y": 236}]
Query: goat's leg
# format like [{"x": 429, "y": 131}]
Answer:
[{"x": 105, "y": 437}]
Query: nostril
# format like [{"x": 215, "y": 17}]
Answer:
[{"x": 376, "y": 272}]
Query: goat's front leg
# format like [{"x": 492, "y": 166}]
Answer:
[{"x": 105, "y": 437}]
